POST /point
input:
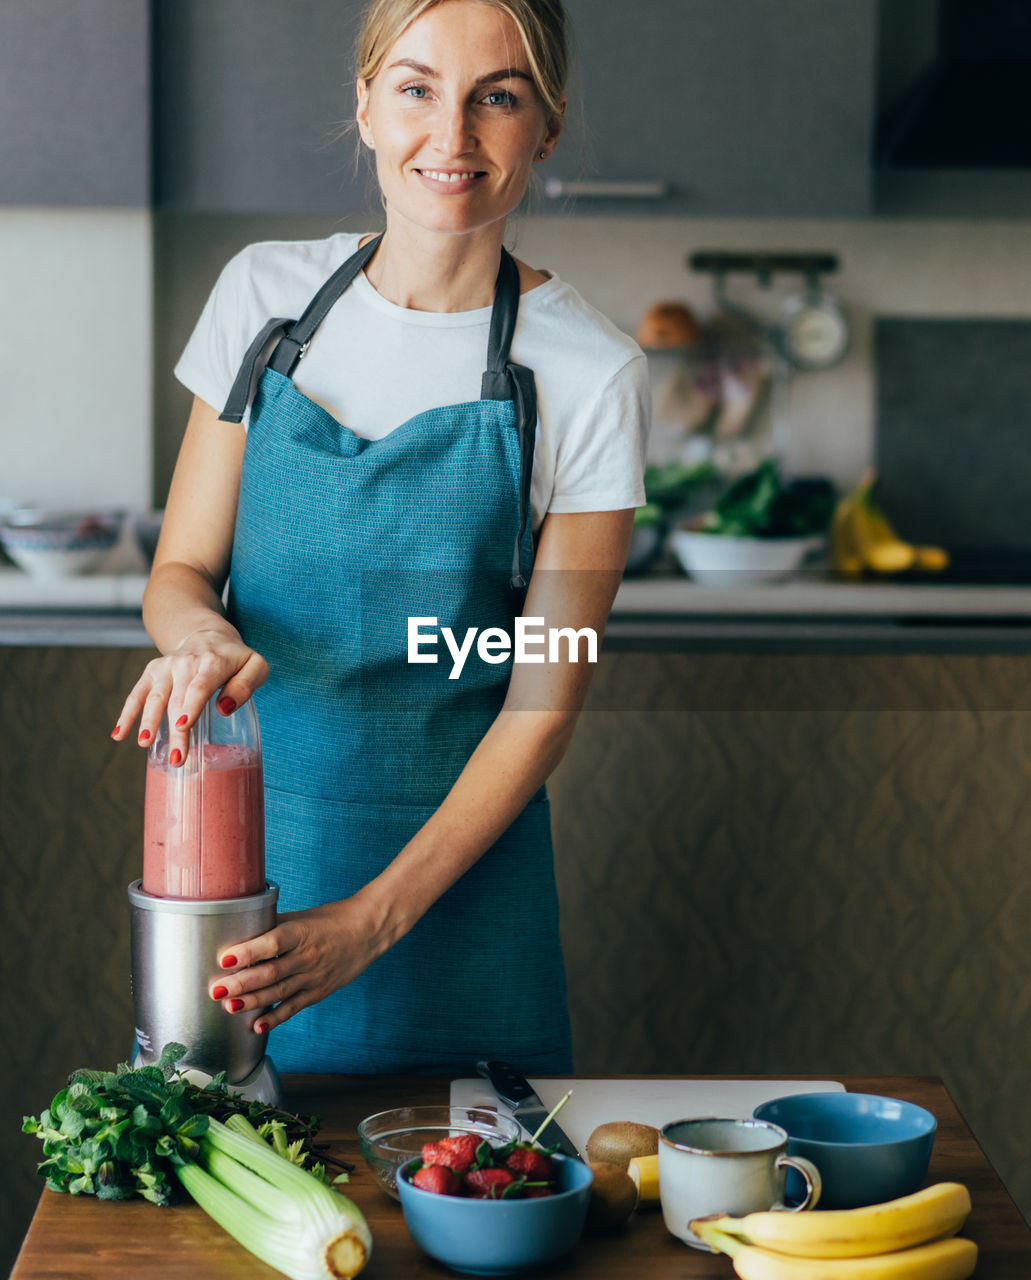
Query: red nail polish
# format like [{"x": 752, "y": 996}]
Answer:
[
  {"x": 181, "y": 721},
  {"x": 235, "y": 1006},
  {"x": 261, "y": 1028},
  {"x": 144, "y": 735},
  {"x": 114, "y": 731},
  {"x": 176, "y": 756},
  {"x": 219, "y": 993},
  {"x": 226, "y": 706},
  {"x": 228, "y": 962}
]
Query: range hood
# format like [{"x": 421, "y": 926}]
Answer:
[{"x": 970, "y": 106}]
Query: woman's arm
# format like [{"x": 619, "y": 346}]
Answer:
[
  {"x": 311, "y": 953},
  {"x": 182, "y": 605}
]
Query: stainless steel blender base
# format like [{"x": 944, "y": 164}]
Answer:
[
  {"x": 262, "y": 1085},
  {"x": 175, "y": 943}
]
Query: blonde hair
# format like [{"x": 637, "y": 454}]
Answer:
[{"x": 541, "y": 23}]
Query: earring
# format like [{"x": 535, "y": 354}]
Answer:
[{"x": 544, "y": 155}]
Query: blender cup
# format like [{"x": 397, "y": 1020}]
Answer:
[
  {"x": 204, "y": 820},
  {"x": 203, "y": 887}
]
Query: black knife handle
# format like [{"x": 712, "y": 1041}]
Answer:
[{"x": 511, "y": 1085}]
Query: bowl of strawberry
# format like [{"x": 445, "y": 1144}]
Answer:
[{"x": 487, "y": 1209}]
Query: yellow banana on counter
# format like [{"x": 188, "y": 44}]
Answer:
[
  {"x": 953, "y": 1259},
  {"x": 844, "y": 550},
  {"x": 862, "y": 537},
  {"x": 644, "y": 1170},
  {"x": 930, "y": 1214}
]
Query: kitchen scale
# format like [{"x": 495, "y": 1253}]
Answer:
[{"x": 203, "y": 887}]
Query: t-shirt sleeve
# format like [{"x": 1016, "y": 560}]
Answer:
[
  {"x": 599, "y": 464},
  {"x": 226, "y": 328}
]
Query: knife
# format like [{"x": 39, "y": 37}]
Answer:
[{"x": 516, "y": 1092}]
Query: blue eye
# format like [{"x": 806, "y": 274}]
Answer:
[
  {"x": 415, "y": 90},
  {"x": 500, "y": 98}
]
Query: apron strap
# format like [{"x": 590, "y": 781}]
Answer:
[
  {"x": 506, "y": 380},
  {"x": 294, "y": 335}
]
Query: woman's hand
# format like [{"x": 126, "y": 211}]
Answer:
[
  {"x": 306, "y": 957},
  {"x": 182, "y": 681}
]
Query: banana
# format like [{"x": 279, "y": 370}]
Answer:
[
  {"x": 845, "y": 558},
  {"x": 930, "y": 1214},
  {"x": 953, "y": 1259},
  {"x": 880, "y": 548},
  {"x": 933, "y": 559},
  {"x": 644, "y": 1170}
]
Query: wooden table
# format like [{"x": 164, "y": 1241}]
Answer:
[{"x": 80, "y": 1238}]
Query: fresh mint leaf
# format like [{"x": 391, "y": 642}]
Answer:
[{"x": 170, "y": 1055}]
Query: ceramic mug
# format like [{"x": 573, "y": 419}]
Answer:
[{"x": 726, "y": 1166}]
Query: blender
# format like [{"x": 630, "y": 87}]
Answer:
[{"x": 203, "y": 887}]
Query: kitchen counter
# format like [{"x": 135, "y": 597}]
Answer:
[
  {"x": 106, "y": 1241},
  {"x": 807, "y": 614}
]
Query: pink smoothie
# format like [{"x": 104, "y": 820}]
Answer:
[{"x": 204, "y": 828}]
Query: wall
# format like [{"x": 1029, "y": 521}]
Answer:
[
  {"x": 75, "y": 357},
  {"x": 892, "y": 266},
  {"x": 81, "y": 378}
]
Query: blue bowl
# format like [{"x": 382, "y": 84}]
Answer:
[
  {"x": 868, "y": 1149},
  {"x": 498, "y": 1237}
]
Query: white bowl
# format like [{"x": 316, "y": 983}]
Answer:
[
  {"x": 720, "y": 560},
  {"x": 56, "y": 544}
]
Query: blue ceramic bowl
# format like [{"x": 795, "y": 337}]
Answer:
[
  {"x": 498, "y": 1237},
  {"x": 868, "y": 1149}
]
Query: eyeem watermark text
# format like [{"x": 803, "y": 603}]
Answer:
[{"x": 530, "y": 643}]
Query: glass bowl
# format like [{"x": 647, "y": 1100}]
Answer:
[{"x": 390, "y": 1139}]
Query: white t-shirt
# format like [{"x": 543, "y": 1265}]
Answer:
[{"x": 374, "y": 365}]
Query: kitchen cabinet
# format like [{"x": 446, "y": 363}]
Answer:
[
  {"x": 75, "y": 77},
  {"x": 741, "y": 107},
  {"x": 253, "y": 102}
]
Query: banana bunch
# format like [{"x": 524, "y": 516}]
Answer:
[
  {"x": 862, "y": 538},
  {"x": 907, "y": 1239}
]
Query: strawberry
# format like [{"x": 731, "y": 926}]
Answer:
[
  {"x": 488, "y": 1184},
  {"x": 532, "y": 1164},
  {"x": 456, "y": 1153},
  {"x": 460, "y": 1153},
  {"x": 535, "y": 1193},
  {"x": 438, "y": 1178}
]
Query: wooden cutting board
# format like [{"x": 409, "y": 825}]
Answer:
[{"x": 648, "y": 1101}]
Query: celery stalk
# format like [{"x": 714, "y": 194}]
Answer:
[{"x": 280, "y": 1213}]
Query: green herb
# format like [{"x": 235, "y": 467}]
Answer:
[
  {"x": 671, "y": 485},
  {"x": 151, "y": 1132},
  {"x": 760, "y": 505}
]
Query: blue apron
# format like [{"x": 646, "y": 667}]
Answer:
[{"x": 339, "y": 540}]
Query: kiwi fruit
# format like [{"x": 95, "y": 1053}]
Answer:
[
  {"x": 613, "y": 1198},
  {"x": 619, "y": 1141}
]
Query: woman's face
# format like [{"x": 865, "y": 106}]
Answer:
[{"x": 454, "y": 118}]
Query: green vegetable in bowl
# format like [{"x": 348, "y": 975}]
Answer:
[
  {"x": 648, "y": 515},
  {"x": 760, "y": 505},
  {"x": 671, "y": 485},
  {"x": 149, "y": 1131}
]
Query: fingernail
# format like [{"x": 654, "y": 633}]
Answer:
[
  {"x": 219, "y": 993},
  {"x": 235, "y": 1006},
  {"x": 144, "y": 735},
  {"x": 181, "y": 721},
  {"x": 226, "y": 706},
  {"x": 115, "y": 731},
  {"x": 261, "y": 1028},
  {"x": 176, "y": 756},
  {"x": 228, "y": 962}
]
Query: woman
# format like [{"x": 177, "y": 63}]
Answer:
[{"x": 407, "y": 824}]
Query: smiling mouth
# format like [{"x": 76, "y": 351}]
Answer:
[{"x": 441, "y": 175}]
